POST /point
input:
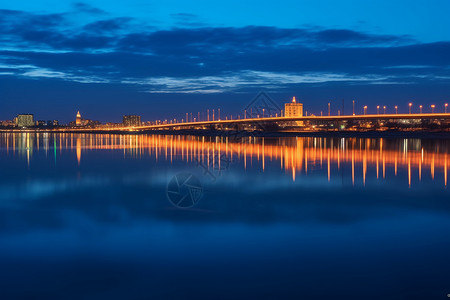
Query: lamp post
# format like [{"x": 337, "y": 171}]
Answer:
[
  {"x": 353, "y": 107},
  {"x": 365, "y": 109},
  {"x": 208, "y": 115},
  {"x": 378, "y": 109},
  {"x": 329, "y": 109},
  {"x": 446, "y": 104},
  {"x": 410, "y": 104},
  {"x": 384, "y": 109},
  {"x": 396, "y": 109},
  {"x": 432, "y": 108},
  {"x": 219, "y": 115},
  {"x": 420, "y": 108}
]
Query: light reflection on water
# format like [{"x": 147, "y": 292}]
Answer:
[
  {"x": 303, "y": 218},
  {"x": 295, "y": 155}
]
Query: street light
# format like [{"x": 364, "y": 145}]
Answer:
[
  {"x": 432, "y": 108},
  {"x": 384, "y": 109},
  {"x": 420, "y": 108},
  {"x": 353, "y": 107},
  {"x": 410, "y": 104},
  {"x": 396, "y": 109},
  {"x": 365, "y": 109},
  {"x": 446, "y": 104},
  {"x": 378, "y": 109},
  {"x": 329, "y": 110}
]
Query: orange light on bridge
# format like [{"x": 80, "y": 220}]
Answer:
[
  {"x": 365, "y": 109},
  {"x": 446, "y": 105},
  {"x": 396, "y": 109},
  {"x": 410, "y": 104},
  {"x": 420, "y": 108},
  {"x": 432, "y": 108}
]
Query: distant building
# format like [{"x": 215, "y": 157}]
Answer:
[
  {"x": 131, "y": 120},
  {"x": 55, "y": 123},
  {"x": 78, "y": 119},
  {"x": 25, "y": 120},
  {"x": 293, "y": 109},
  {"x": 43, "y": 123},
  {"x": 7, "y": 123},
  {"x": 85, "y": 123},
  {"x": 113, "y": 125}
]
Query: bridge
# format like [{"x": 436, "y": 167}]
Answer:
[
  {"x": 230, "y": 124},
  {"x": 263, "y": 123}
]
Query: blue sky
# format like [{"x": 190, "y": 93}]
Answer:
[{"x": 161, "y": 59}]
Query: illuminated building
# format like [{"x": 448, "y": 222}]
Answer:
[
  {"x": 25, "y": 120},
  {"x": 8, "y": 123},
  {"x": 293, "y": 109},
  {"x": 131, "y": 120},
  {"x": 78, "y": 119}
]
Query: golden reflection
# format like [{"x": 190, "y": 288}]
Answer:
[
  {"x": 78, "y": 150},
  {"x": 353, "y": 166},
  {"x": 445, "y": 170},
  {"x": 294, "y": 155},
  {"x": 409, "y": 172}
]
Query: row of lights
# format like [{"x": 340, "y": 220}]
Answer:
[
  {"x": 432, "y": 106},
  {"x": 189, "y": 117}
]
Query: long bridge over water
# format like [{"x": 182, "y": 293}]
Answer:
[{"x": 263, "y": 123}]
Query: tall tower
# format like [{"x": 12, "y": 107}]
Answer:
[{"x": 78, "y": 119}]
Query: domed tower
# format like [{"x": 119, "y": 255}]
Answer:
[{"x": 78, "y": 119}]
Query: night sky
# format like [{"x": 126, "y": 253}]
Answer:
[{"x": 163, "y": 59}]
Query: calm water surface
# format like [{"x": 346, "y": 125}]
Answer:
[{"x": 88, "y": 216}]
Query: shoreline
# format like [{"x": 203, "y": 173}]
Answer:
[{"x": 212, "y": 133}]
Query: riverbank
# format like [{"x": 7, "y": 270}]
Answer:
[{"x": 344, "y": 134}]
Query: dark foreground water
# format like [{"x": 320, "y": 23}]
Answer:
[{"x": 85, "y": 216}]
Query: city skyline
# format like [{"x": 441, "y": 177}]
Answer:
[{"x": 342, "y": 108}]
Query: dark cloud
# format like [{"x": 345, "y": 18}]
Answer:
[
  {"x": 335, "y": 36},
  {"x": 107, "y": 26},
  {"x": 187, "y": 20},
  {"x": 14, "y": 22},
  {"x": 86, "y": 8}
]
